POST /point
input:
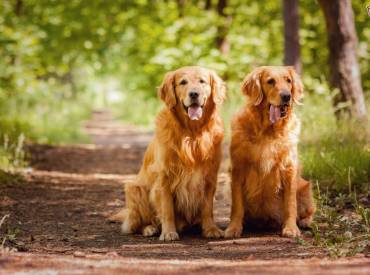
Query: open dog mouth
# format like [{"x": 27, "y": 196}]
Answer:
[
  {"x": 194, "y": 111},
  {"x": 278, "y": 112}
]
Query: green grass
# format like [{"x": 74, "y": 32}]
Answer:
[
  {"x": 337, "y": 154},
  {"x": 342, "y": 223},
  {"x": 50, "y": 122},
  {"x": 62, "y": 126},
  {"x": 12, "y": 154},
  {"x": 339, "y": 165},
  {"x": 44, "y": 119}
]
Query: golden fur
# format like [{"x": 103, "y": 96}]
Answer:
[
  {"x": 177, "y": 181},
  {"x": 266, "y": 184}
]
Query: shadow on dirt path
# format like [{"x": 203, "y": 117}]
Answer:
[{"x": 57, "y": 219}]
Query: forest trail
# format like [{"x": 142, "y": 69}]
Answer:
[{"x": 58, "y": 220}]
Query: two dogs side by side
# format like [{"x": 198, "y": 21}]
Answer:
[{"x": 176, "y": 185}]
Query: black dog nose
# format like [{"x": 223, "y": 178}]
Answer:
[
  {"x": 285, "y": 96},
  {"x": 193, "y": 95}
]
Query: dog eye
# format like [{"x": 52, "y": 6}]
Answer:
[
  {"x": 289, "y": 80},
  {"x": 202, "y": 81},
  {"x": 271, "y": 81},
  {"x": 183, "y": 82}
]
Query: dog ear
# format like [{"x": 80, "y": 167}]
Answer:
[
  {"x": 251, "y": 86},
  {"x": 166, "y": 91},
  {"x": 297, "y": 86},
  {"x": 218, "y": 88}
]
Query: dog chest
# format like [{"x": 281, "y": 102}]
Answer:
[
  {"x": 263, "y": 193},
  {"x": 189, "y": 194},
  {"x": 265, "y": 156}
]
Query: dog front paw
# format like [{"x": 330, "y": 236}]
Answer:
[
  {"x": 306, "y": 222},
  {"x": 127, "y": 228},
  {"x": 233, "y": 232},
  {"x": 149, "y": 230},
  {"x": 291, "y": 231},
  {"x": 213, "y": 232},
  {"x": 169, "y": 236}
]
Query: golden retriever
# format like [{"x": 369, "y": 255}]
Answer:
[
  {"x": 266, "y": 185},
  {"x": 177, "y": 181}
]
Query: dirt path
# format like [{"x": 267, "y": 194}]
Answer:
[{"x": 57, "y": 220}]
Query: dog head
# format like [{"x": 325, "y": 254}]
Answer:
[
  {"x": 191, "y": 90},
  {"x": 274, "y": 87}
]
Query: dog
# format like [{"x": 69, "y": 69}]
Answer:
[
  {"x": 266, "y": 185},
  {"x": 176, "y": 185}
]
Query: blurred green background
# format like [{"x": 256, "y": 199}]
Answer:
[{"x": 59, "y": 60}]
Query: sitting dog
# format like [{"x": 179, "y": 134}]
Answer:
[
  {"x": 177, "y": 181},
  {"x": 266, "y": 186}
]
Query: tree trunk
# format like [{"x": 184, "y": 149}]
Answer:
[
  {"x": 18, "y": 7},
  {"x": 180, "y": 7},
  {"x": 344, "y": 68},
  {"x": 292, "y": 53},
  {"x": 208, "y": 5},
  {"x": 221, "y": 39}
]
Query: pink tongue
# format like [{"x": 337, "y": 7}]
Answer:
[
  {"x": 195, "y": 112},
  {"x": 274, "y": 113}
]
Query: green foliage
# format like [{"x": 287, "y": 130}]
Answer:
[
  {"x": 160, "y": 40},
  {"x": 47, "y": 120},
  {"x": 11, "y": 154}
]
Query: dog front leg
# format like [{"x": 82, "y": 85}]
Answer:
[
  {"x": 235, "y": 228},
  {"x": 167, "y": 212},
  {"x": 290, "y": 228},
  {"x": 209, "y": 228}
]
